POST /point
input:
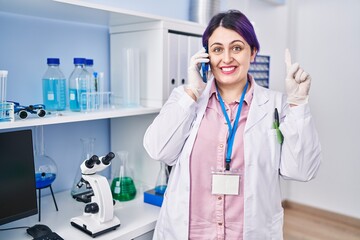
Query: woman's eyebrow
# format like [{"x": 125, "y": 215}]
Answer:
[{"x": 217, "y": 43}]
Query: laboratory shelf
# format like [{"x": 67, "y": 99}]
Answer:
[
  {"x": 70, "y": 117},
  {"x": 82, "y": 11},
  {"x": 136, "y": 218}
]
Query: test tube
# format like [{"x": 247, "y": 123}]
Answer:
[
  {"x": 6, "y": 108},
  {"x": 3, "y": 79}
]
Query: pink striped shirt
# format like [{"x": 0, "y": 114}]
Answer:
[{"x": 217, "y": 216}]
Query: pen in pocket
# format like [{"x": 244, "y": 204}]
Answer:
[{"x": 276, "y": 126}]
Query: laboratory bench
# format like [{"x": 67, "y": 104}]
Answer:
[{"x": 137, "y": 219}]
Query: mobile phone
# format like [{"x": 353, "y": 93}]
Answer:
[{"x": 205, "y": 67}]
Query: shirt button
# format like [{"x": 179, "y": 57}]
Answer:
[
  {"x": 219, "y": 198},
  {"x": 221, "y": 145},
  {"x": 220, "y": 224}
]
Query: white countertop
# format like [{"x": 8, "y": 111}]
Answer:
[{"x": 136, "y": 217}]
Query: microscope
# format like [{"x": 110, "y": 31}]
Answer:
[{"x": 98, "y": 216}]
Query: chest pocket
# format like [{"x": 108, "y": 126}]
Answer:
[{"x": 275, "y": 149}]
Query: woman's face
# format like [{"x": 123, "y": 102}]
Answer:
[{"x": 230, "y": 56}]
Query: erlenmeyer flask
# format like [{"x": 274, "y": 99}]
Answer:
[
  {"x": 162, "y": 179},
  {"x": 122, "y": 186},
  {"x": 45, "y": 167},
  {"x": 83, "y": 191}
]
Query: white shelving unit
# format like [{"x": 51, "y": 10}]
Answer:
[
  {"x": 70, "y": 117},
  {"x": 129, "y": 123}
]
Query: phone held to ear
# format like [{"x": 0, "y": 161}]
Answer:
[{"x": 205, "y": 68}]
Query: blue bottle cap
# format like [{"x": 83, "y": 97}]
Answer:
[
  {"x": 55, "y": 61},
  {"x": 79, "y": 60},
  {"x": 89, "y": 62}
]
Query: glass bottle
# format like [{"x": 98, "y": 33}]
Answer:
[
  {"x": 45, "y": 167},
  {"x": 78, "y": 190},
  {"x": 54, "y": 86},
  {"x": 79, "y": 85},
  {"x": 162, "y": 179},
  {"x": 122, "y": 186}
]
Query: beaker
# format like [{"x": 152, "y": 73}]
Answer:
[
  {"x": 122, "y": 186},
  {"x": 45, "y": 167},
  {"x": 162, "y": 179},
  {"x": 83, "y": 191}
]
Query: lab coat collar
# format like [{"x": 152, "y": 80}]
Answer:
[{"x": 258, "y": 106}]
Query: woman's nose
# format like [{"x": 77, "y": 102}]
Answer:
[{"x": 227, "y": 57}]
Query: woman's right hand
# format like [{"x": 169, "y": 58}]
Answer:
[{"x": 196, "y": 84}]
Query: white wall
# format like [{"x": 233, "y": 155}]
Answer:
[
  {"x": 324, "y": 37},
  {"x": 327, "y": 44}
]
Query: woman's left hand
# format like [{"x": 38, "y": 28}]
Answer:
[{"x": 297, "y": 82}]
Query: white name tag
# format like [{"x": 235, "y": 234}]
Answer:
[{"x": 225, "y": 183}]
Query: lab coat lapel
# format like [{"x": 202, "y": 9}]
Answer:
[{"x": 257, "y": 108}]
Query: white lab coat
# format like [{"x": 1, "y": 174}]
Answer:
[{"x": 171, "y": 136}]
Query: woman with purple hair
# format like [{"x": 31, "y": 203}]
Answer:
[{"x": 230, "y": 140}]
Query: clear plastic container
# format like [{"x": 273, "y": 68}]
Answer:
[
  {"x": 54, "y": 86},
  {"x": 79, "y": 85}
]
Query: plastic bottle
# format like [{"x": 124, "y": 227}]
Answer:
[
  {"x": 54, "y": 86},
  {"x": 79, "y": 85}
]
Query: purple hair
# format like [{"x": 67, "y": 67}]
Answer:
[{"x": 236, "y": 21}]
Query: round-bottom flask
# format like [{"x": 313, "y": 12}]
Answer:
[
  {"x": 45, "y": 167},
  {"x": 123, "y": 186}
]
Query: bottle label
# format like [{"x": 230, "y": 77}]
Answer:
[
  {"x": 50, "y": 96},
  {"x": 72, "y": 96}
]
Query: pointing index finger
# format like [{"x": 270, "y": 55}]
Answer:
[{"x": 287, "y": 58}]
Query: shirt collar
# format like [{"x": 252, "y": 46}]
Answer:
[{"x": 248, "y": 95}]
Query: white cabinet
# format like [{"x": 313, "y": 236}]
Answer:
[{"x": 165, "y": 48}]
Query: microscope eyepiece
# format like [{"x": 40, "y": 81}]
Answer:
[
  {"x": 106, "y": 160},
  {"x": 92, "y": 161}
]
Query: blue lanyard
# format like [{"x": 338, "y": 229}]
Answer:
[{"x": 232, "y": 129}]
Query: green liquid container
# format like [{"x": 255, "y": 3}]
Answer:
[
  {"x": 123, "y": 189},
  {"x": 122, "y": 186}
]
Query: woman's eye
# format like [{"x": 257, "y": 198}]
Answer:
[
  {"x": 217, "y": 50},
  {"x": 236, "y": 48}
]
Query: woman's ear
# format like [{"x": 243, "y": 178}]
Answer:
[{"x": 253, "y": 54}]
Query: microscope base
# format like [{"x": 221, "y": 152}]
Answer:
[{"x": 90, "y": 226}]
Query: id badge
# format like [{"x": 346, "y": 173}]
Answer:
[{"x": 225, "y": 183}]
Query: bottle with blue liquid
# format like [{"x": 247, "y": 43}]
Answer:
[
  {"x": 79, "y": 85},
  {"x": 54, "y": 86}
]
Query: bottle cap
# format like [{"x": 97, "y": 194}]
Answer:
[
  {"x": 79, "y": 60},
  {"x": 89, "y": 62},
  {"x": 55, "y": 61},
  {"x": 3, "y": 73}
]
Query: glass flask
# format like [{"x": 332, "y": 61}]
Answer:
[
  {"x": 45, "y": 167},
  {"x": 122, "y": 186},
  {"x": 162, "y": 179},
  {"x": 83, "y": 191}
]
